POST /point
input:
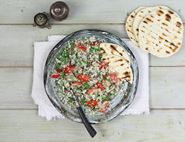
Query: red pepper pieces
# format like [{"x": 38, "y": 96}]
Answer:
[{"x": 55, "y": 75}]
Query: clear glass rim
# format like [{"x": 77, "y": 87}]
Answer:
[{"x": 134, "y": 67}]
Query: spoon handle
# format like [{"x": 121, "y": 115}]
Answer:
[{"x": 86, "y": 122}]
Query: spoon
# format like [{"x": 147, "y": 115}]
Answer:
[{"x": 83, "y": 117}]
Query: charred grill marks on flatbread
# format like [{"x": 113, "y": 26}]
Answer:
[
  {"x": 114, "y": 49},
  {"x": 170, "y": 12},
  {"x": 149, "y": 20},
  {"x": 168, "y": 17},
  {"x": 157, "y": 30},
  {"x": 118, "y": 60},
  {"x": 161, "y": 32},
  {"x": 178, "y": 24}
]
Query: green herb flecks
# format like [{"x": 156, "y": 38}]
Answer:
[
  {"x": 83, "y": 101},
  {"x": 57, "y": 65},
  {"x": 62, "y": 75},
  {"x": 64, "y": 57},
  {"x": 85, "y": 86},
  {"x": 94, "y": 49},
  {"x": 107, "y": 97}
]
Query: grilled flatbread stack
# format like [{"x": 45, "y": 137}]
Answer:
[
  {"x": 158, "y": 30},
  {"x": 118, "y": 60}
]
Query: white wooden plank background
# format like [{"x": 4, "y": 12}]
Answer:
[
  {"x": 23, "y": 36},
  {"x": 160, "y": 126},
  {"x": 88, "y": 11},
  {"x": 18, "y": 114}
]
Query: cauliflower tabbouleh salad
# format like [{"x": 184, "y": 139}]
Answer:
[{"x": 80, "y": 66}]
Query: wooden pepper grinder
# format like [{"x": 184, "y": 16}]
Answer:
[{"x": 59, "y": 10}]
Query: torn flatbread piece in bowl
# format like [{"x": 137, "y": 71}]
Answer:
[
  {"x": 161, "y": 32},
  {"x": 118, "y": 61}
]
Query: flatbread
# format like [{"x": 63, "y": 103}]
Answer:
[
  {"x": 129, "y": 25},
  {"x": 161, "y": 32},
  {"x": 118, "y": 60},
  {"x": 140, "y": 15}
]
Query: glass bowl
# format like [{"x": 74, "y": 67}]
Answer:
[{"x": 120, "y": 103}]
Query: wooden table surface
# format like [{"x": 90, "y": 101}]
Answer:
[{"x": 19, "y": 121}]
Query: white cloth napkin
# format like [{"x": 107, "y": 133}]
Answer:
[{"x": 140, "y": 105}]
